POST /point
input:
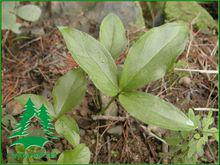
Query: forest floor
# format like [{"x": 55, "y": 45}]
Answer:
[{"x": 32, "y": 64}]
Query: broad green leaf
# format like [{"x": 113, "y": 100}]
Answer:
[
  {"x": 79, "y": 155},
  {"x": 69, "y": 91},
  {"x": 8, "y": 6},
  {"x": 37, "y": 100},
  {"x": 67, "y": 127},
  {"x": 9, "y": 18},
  {"x": 152, "y": 55},
  {"x": 190, "y": 13},
  {"x": 16, "y": 28},
  {"x": 112, "y": 35},
  {"x": 194, "y": 118},
  {"x": 153, "y": 110},
  {"x": 29, "y": 12},
  {"x": 93, "y": 58},
  {"x": 120, "y": 68}
]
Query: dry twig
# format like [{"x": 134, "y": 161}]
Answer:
[
  {"x": 196, "y": 70},
  {"x": 206, "y": 109},
  {"x": 112, "y": 118}
]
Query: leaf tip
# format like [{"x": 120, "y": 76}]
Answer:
[
  {"x": 190, "y": 123},
  {"x": 112, "y": 14},
  {"x": 62, "y": 28}
]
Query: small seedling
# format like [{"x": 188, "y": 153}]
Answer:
[
  {"x": 148, "y": 60},
  {"x": 12, "y": 9},
  {"x": 188, "y": 147},
  {"x": 64, "y": 99}
]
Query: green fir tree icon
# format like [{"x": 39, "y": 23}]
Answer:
[
  {"x": 22, "y": 126},
  {"x": 21, "y": 130},
  {"x": 45, "y": 122}
]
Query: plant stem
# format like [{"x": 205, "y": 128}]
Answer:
[
  {"x": 109, "y": 103},
  {"x": 97, "y": 99}
]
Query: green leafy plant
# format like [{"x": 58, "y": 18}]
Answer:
[
  {"x": 67, "y": 93},
  {"x": 148, "y": 60},
  {"x": 112, "y": 35},
  {"x": 188, "y": 147},
  {"x": 12, "y": 9}
]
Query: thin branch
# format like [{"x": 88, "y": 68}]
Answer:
[
  {"x": 28, "y": 43},
  {"x": 195, "y": 70},
  {"x": 206, "y": 109},
  {"x": 112, "y": 118}
]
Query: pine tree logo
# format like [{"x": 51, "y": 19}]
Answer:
[{"x": 21, "y": 131}]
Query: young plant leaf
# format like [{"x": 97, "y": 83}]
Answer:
[
  {"x": 194, "y": 118},
  {"x": 79, "y": 155},
  {"x": 67, "y": 127},
  {"x": 93, "y": 58},
  {"x": 69, "y": 91},
  {"x": 199, "y": 146},
  {"x": 38, "y": 101},
  {"x": 153, "y": 110},
  {"x": 192, "y": 148},
  {"x": 29, "y": 12},
  {"x": 112, "y": 35},
  {"x": 207, "y": 121},
  {"x": 9, "y": 18},
  {"x": 152, "y": 55}
]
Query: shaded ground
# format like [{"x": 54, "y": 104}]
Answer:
[{"x": 33, "y": 64}]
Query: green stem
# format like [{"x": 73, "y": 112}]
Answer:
[
  {"x": 109, "y": 103},
  {"x": 96, "y": 99}
]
